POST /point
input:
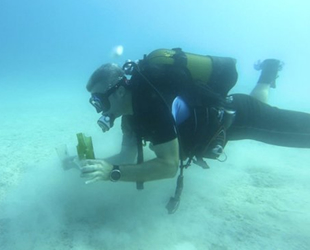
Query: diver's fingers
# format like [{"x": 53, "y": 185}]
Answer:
[
  {"x": 100, "y": 171},
  {"x": 93, "y": 180},
  {"x": 90, "y": 175},
  {"x": 90, "y": 168}
]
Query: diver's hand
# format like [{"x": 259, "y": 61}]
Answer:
[{"x": 95, "y": 170}]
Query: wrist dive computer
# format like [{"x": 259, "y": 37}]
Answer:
[{"x": 115, "y": 174}]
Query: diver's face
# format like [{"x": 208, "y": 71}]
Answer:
[
  {"x": 100, "y": 100},
  {"x": 107, "y": 101},
  {"x": 115, "y": 101}
]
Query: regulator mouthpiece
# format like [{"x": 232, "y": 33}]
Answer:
[{"x": 106, "y": 122}]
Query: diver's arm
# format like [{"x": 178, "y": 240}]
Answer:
[{"x": 165, "y": 165}]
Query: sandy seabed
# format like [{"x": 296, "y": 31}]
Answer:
[{"x": 257, "y": 199}]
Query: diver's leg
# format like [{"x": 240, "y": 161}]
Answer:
[
  {"x": 259, "y": 121},
  {"x": 261, "y": 92},
  {"x": 269, "y": 73}
]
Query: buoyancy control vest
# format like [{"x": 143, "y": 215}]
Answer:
[
  {"x": 211, "y": 78},
  {"x": 215, "y": 76}
]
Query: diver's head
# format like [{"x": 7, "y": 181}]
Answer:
[
  {"x": 109, "y": 91},
  {"x": 105, "y": 77}
]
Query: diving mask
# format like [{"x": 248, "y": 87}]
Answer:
[{"x": 101, "y": 100}]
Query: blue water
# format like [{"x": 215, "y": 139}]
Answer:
[
  {"x": 67, "y": 39},
  {"x": 48, "y": 50}
]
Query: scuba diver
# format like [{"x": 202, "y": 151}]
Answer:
[{"x": 179, "y": 103}]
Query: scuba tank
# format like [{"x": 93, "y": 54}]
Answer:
[{"x": 217, "y": 73}]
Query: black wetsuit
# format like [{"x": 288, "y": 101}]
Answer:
[
  {"x": 152, "y": 119},
  {"x": 261, "y": 122}
]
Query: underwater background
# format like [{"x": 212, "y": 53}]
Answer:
[{"x": 257, "y": 199}]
